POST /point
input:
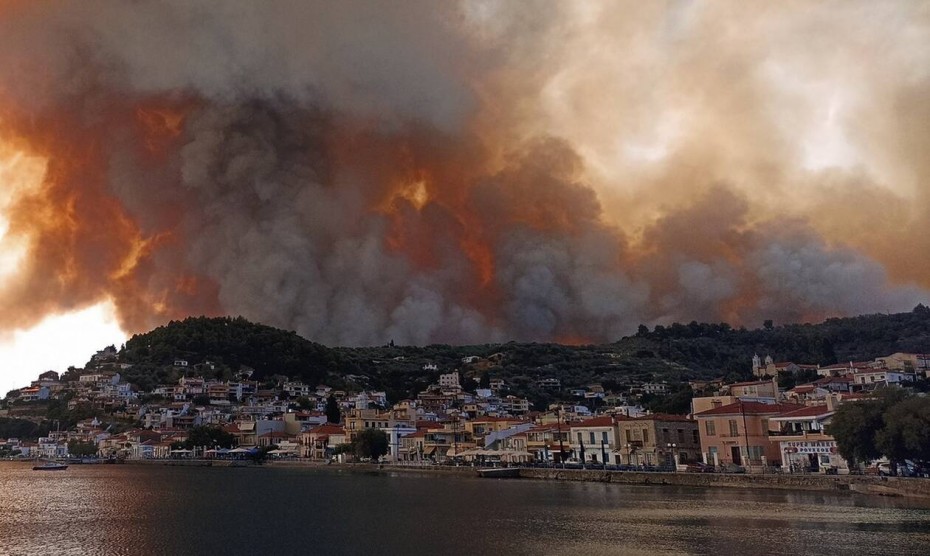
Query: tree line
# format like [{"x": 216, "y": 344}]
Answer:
[{"x": 894, "y": 424}]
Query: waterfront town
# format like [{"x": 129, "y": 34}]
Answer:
[{"x": 752, "y": 426}]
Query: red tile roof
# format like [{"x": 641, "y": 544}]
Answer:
[
  {"x": 328, "y": 428},
  {"x": 660, "y": 417},
  {"x": 605, "y": 421},
  {"x": 807, "y": 411},
  {"x": 751, "y": 383},
  {"x": 750, "y": 408}
]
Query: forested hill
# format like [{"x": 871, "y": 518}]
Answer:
[
  {"x": 865, "y": 337},
  {"x": 230, "y": 343},
  {"x": 676, "y": 352}
]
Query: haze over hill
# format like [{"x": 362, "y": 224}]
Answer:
[{"x": 675, "y": 353}]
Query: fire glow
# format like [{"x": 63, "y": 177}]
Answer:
[{"x": 466, "y": 180}]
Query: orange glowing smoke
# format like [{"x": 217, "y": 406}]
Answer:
[{"x": 82, "y": 244}]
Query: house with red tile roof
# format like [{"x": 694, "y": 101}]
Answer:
[
  {"x": 738, "y": 433},
  {"x": 803, "y": 442},
  {"x": 320, "y": 442}
]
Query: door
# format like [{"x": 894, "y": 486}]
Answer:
[{"x": 734, "y": 452}]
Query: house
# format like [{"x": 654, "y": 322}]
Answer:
[
  {"x": 738, "y": 433},
  {"x": 320, "y": 442},
  {"x": 755, "y": 389},
  {"x": 835, "y": 383},
  {"x": 34, "y": 393},
  {"x": 804, "y": 393},
  {"x": 769, "y": 368},
  {"x": 659, "y": 439},
  {"x": 449, "y": 380},
  {"x": 658, "y": 388},
  {"x": 851, "y": 367},
  {"x": 907, "y": 362},
  {"x": 868, "y": 379},
  {"x": 391, "y": 421},
  {"x": 515, "y": 405},
  {"x": 593, "y": 440},
  {"x": 548, "y": 442},
  {"x": 273, "y": 438},
  {"x": 803, "y": 442}
]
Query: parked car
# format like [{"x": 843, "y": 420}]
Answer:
[
  {"x": 699, "y": 467},
  {"x": 732, "y": 468}
]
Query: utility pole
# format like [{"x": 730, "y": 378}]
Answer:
[{"x": 745, "y": 434}]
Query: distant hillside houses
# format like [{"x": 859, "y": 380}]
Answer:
[
  {"x": 754, "y": 424},
  {"x": 903, "y": 365}
]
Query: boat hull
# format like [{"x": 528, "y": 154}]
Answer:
[
  {"x": 55, "y": 467},
  {"x": 499, "y": 473}
]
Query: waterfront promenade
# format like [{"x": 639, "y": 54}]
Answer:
[{"x": 918, "y": 488}]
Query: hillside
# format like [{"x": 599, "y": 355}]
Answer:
[
  {"x": 229, "y": 344},
  {"x": 674, "y": 353}
]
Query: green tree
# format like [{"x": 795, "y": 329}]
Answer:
[
  {"x": 80, "y": 449},
  {"x": 854, "y": 426},
  {"x": 906, "y": 431},
  {"x": 209, "y": 437},
  {"x": 333, "y": 415},
  {"x": 860, "y": 428},
  {"x": 370, "y": 443}
]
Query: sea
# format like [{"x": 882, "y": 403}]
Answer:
[{"x": 154, "y": 509}]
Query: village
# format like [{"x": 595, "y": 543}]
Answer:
[{"x": 743, "y": 427}]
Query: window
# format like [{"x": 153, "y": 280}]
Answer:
[
  {"x": 591, "y": 436},
  {"x": 604, "y": 437},
  {"x": 665, "y": 436},
  {"x": 734, "y": 429},
  {"x": 694, "y": 437},
  {"x": 645, "y": 436},
  {"x": 580, "y": 441},
  {"x": 629, "y": 436},
  {"x": 681, "y": 436},
  {"x": 710, "y": 428}
]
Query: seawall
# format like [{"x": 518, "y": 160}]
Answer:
[{"x": 885, "y": 486}]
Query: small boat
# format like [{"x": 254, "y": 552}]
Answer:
[
  {"x": 499, "y": 472},
  {"x": 50, "y": 466}
]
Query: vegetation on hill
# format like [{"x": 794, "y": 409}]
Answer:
[
  {"x": 228, "y": 344},
  {"x": 674, "y": 353},
  {"x": 835, "y": 340}
]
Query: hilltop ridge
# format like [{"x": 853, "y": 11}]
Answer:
[{"x": 674, "y": 353}]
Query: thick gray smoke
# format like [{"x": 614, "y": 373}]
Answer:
[{"x": 364, "y": 172}]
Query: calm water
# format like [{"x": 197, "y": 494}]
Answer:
[{"x": 129, "y": 509}]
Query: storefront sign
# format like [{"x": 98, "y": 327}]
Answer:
[{"x": 808, "y": 447}]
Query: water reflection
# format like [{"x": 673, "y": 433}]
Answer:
[{"x": 167, "y": 510}]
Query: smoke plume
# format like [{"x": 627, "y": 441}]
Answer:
[{"x": 465, "y": 172}]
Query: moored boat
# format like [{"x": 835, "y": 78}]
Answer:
[
  {"x": 499, "y": 472},
  {"x": 50, "y": 466}
]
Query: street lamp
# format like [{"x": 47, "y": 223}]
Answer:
[{"x": 673, "y": 449}]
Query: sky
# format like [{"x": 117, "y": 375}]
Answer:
[{"x": 460, "y": 172}]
